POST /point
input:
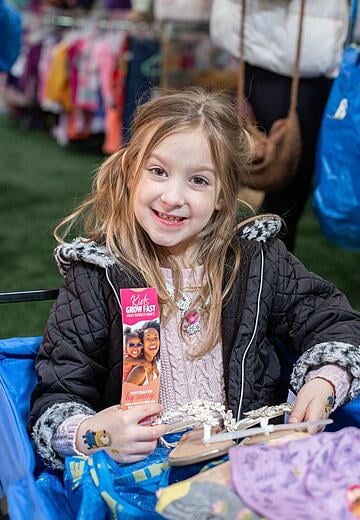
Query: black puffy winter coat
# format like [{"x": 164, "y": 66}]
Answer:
[{"x": 275, "y": 301}]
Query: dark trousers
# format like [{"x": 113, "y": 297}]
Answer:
[
  {"x": 138, "y": 86},
  {"x": 269, "y": 96}
]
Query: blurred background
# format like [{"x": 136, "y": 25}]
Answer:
[{"x": 67, "y": 102}]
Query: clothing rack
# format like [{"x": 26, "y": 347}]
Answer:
[
  {"x": 157, "y": 54},
  {"x": 99, "y": 20}
]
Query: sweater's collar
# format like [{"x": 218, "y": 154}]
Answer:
[{"x": 260, "y": 228}]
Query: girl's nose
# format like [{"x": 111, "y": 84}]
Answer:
[{"x": 172, "y": 195}]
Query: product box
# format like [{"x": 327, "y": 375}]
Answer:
[{"x": 141, "y": 347}]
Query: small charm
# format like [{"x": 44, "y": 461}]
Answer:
[
  {"x": 192, "y": 317},
  {"x": 329, "y": 405},
  {"x": 98, "y": 439},
  {"x": 192, "y": 323}
]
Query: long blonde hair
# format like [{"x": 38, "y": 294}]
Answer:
[{"x": 107, "y": 215}]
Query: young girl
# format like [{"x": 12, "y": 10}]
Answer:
[
  {"x": 164, "y": 213},
  {"x": 133, "y": 352}
]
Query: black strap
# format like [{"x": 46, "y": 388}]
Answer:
[{"x": 29, "y": 296}]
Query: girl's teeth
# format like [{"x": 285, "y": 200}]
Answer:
[{"x": 169, "y": 217}]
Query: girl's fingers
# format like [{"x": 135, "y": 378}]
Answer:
[
  {"x": 299, "y": 410},
  {"x": 137, "y": 413},
  {"x": 148, "y": 433},
  {"x": 309, "y": 411},
  {"x": 315, "y": 412},
  {"x": 141, "y": 448}
]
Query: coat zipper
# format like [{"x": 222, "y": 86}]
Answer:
[{"x": 252, "y": 336}]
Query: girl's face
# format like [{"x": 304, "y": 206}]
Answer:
[
  {"x": 151, "y": 343},
  {"x": 177, "y": 193},
  {"x": 134, "y": 346}
]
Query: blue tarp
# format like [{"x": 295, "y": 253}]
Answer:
[{"x": 336, "y": 199}]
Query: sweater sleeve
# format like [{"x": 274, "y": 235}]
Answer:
[
  {"x": 64, "y": 438},
  {"x": 339, "y": 377}
]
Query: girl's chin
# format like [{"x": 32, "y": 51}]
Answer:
[{"x": 168, "y": 244}]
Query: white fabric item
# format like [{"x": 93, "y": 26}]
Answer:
[
  {"x": 182, "y": 10},
  {"x": 271, "y": 28}
]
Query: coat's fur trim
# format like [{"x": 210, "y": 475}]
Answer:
[
  {"x": 259, "y": 228},
  {"x": 344, "y": 355},
  {"x": 46, "y": 426},
  {"x": 79, "y": 250}
]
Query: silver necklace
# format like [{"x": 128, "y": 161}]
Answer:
[{"x": 192, "y": 324}]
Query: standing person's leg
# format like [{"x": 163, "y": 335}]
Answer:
[{"x": 269, "y": 95}]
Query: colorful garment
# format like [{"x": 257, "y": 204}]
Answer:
[{"x": 315, "y": 478}]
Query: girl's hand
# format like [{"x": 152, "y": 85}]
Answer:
[
  {"x": 119, "y": 433},
  {"x": 313, "y": 402}
]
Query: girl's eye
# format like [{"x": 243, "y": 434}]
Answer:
[
  {"x": 200, "y": 181},
  {"x": 159, "y": 172}
]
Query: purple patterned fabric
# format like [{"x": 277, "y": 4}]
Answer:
[{"x": 314, "y": 478}]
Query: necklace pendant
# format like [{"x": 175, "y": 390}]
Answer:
[
  {"x": 192, "y": 317},
  {"x": 192, "y": 323}
]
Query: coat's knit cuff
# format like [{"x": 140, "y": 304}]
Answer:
[
  {"x": 344, "y": 355},
  {"x": 47, "y": 425}
]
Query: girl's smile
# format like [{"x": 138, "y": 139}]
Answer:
[
  {"x": 168, "y": 220},
  {"x": 177, "y": 192}
]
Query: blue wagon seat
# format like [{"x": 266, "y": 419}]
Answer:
[{"x": 32, "y": 491}]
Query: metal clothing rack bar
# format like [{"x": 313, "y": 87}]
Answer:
[
  {"x": 94, "y": 20},
  {"x": 99, "y": 20},
  {"x": 100, "y": 23}
]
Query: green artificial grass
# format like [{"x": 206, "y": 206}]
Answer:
[{"x": 40, "y": 182}]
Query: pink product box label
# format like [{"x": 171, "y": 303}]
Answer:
[{"x": 141, "y": 347}]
